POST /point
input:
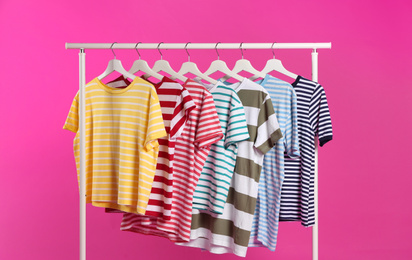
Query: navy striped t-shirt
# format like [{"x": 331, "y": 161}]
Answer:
[{"x": 297, "y": 198}]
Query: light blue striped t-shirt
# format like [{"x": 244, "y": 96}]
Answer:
[{"x": 266, "y": 217}]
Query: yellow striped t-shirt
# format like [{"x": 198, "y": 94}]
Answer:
[{"x": 122, "y": 128}]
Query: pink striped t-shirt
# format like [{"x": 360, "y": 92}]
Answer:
[{"x": 202, "y": 129}]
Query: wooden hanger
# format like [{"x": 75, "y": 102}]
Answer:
[
  {"x": 276, "y": 65},
  {"x": 219, "y": 65},
  {"x": 115, "y": 65}
]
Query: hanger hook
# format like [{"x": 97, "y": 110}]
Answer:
[
  {"x": 218, "y": 57},
  {"x": 161, "y": 55},
  {"x": 273, "y": 52},
  {"x": 241, "y": 50},
  {"x": 187, "y": 51},
  {"x": 137, "y": 49},
  {"x": 111, "y": 47}
]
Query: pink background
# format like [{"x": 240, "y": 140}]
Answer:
[{"x": 365, "y": 172}]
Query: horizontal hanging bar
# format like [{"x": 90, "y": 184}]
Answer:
[{"x": 323, "y": 45}]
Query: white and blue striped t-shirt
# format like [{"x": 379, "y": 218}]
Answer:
[
  {"x": 214, "y": 182},
  {"x": 266, "y": 217},
  {"x": 297, "y": 201}
]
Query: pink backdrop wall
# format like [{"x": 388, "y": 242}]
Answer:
[{"x": 365, "y": 172}]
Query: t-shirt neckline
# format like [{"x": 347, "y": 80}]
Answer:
[
  {"x": 263, "y": 81},
  {"x": 238, "y": 85},
  {"x": 295, "y": 83},
  {"x": 115, "y": 90}
]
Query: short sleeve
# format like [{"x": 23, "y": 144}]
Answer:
[
  {"x": 236, "y": 130},
  {"x": 209, "y": 130},
  {"x": 184, "y": 105},
  {"x": 72, "y": 120},
  {"x": 155, "y": 125},
  {"x": 320, "y": 116},
  {"x": 291, "y": 137},
  {"x": 268, "y": 132}
]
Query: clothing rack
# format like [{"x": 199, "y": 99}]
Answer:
[{"x": 82, "y": 83}]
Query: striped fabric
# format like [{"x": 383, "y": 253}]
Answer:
[
  {"x": 122, "y": 128},
  {"x": 192, "y": 147},
  {"x": 213, "y": 185},
  {"x": 297, "y": 201},
  {"x": 266, "y": 217},
  {"x": 230, "y": 231},
  {"x": 176, "y": 104}
]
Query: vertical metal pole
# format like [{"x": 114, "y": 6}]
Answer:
[
  {"x": 315, "y": 228},
  {"x": 82, "y": 125}
]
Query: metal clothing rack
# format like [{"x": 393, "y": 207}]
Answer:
[{"x": 82, "y": 77}]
